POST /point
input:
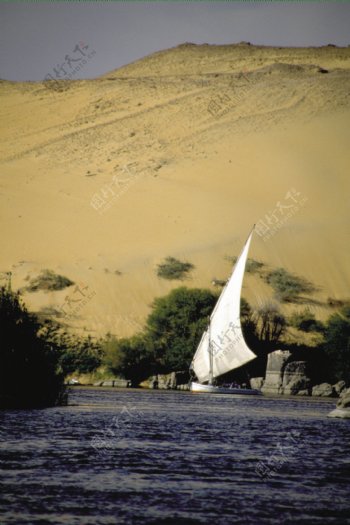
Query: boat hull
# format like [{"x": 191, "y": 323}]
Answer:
[{"x": 211, "y": 389}]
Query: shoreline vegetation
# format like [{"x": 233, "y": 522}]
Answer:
[{"x": 39, "y": 357}]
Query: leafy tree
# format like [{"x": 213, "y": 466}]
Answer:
[
  {"x": 131, "y": 358},
  {"x": 174, "y": 269},
  {"x": 337, "y": 344},
  {"x": 270, "y": 325},
  {"x": 30, "y": 374},
  {"x": 74, "y": 354},
  {"x": 248, "y": 323},
  {"x": 262, "y": 329},
  {"x": 176, "y": 325}
]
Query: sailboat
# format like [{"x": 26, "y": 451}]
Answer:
[{"x": 222, "y": 347}]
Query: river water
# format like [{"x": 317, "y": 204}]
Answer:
[{"x": 161, "y": 457}]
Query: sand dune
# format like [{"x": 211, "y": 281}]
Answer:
[{"x": 178, "y": 154}]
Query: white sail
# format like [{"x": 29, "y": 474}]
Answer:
[
  {"x": 224, "y": 337},
  {"x": 201, "y": 359}
]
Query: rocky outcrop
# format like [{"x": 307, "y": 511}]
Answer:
[
  {"x": 324, "y": 390},
  {"x": 290, "y": 377},
  {"x": 297, "y": 382},
  {"x": 276, "y": 363},
  {"x": 295, "y": 379}
]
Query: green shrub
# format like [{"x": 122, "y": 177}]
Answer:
[
  {"x": 306, "y": 322},
  {"x": 288, "y": 286},
  {"x": 48, "y": 281},
  {"x": 252, "y": 266},
  {"x": 174, "y": 269}
]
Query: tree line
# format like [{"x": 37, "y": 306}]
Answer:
[{"x": 36, "y": 356}]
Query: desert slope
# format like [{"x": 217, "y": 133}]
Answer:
[{"x": 177, "y": 154}]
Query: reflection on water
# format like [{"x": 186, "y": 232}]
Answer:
[{"x": 153, "y": 457}]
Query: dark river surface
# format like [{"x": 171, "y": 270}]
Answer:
[{"x": 162, "y": 457}]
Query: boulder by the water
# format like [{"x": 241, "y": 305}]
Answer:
[
  {"x": 256, "y": 382},
  {"x": 109, "y": 382},
  {"x": 323, "y": 390},
  {"x": 344, "y": 400},
  {"x": 303, "y": 393},
  {"x": 343, "y": 406},
  {"x": 295, "y": 379},
  {"x": 167, "y": 381},
  {"x": 276, "y": 363},
  {"x": 339, "y": 387},
  {"x": 343, "y": 413}
]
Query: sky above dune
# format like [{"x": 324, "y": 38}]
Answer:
[{"x": 86, "y": 39}]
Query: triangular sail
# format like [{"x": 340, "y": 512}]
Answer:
[
  {"x": 201, "y": 359},
  {"x": 225, "y": 339}
]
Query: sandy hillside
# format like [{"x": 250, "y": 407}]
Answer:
[{"x": 177, "y": 154}]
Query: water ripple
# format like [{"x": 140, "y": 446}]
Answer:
[{"x": 136, "y": 457}]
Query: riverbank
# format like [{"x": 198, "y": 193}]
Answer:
[{"x": 149, "y": 391}]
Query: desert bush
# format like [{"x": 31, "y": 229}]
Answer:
[
  {"x": 49, "y": 281},
  {"x": 172, "y": 268},
  {"x": 287, "y": 286},
  {"x": 306, "y": 322},
  {"x": 252, "y": 266}
]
